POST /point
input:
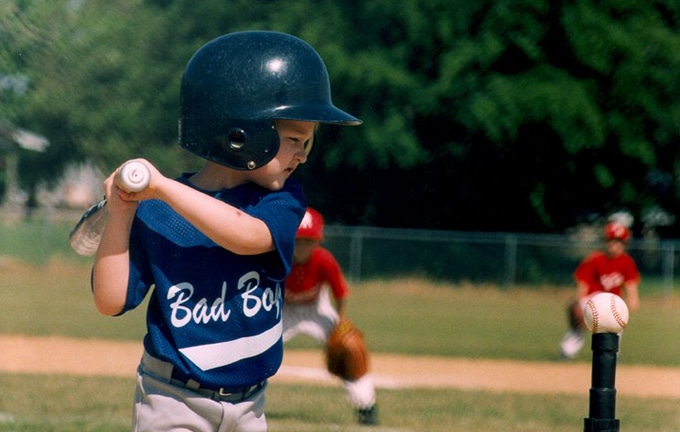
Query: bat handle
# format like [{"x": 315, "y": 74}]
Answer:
[{"x": 133, "y": 176}]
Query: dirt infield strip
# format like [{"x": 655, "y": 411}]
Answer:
[{"x": 59, "y": 355}]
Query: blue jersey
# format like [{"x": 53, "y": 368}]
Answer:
[{"x": 213, "y": 314}]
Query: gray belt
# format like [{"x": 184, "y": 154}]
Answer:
[{"x": 168, "y": 373}]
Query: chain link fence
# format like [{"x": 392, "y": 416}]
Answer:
[
  {"x": 504, "y": 259},
  {"x": 501, "y": 259}
]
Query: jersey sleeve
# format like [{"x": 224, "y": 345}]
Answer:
[
  {"x": 631, "y": 272},
  {"x": 282, "y": 212},
  {"x": 333, "y": 273},
  {"x": 585, "y": 271}
]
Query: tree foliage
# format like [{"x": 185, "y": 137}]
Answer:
[{"x": 489, "y": 115}]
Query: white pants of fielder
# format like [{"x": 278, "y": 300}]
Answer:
[{"x": 317, "y": 320}]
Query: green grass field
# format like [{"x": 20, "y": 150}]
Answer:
[
  {"x": 32, "y": 403},
  {"x": 401, "y": 316},
  {"x": 51, "y": 297}
]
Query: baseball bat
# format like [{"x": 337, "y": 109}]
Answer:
[{"x": 85, "y": 236}]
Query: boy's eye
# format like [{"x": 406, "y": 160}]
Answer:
[
  {"x": 294, "y": 141},
  {"x": 306, "y": 145}
]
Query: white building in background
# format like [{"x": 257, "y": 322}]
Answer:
[
  {"x": 12, "y": 139},
  {"x": 79, "y": 187}
]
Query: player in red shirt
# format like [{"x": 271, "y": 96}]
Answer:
[
  {"x": 611, "y": 271},
  {"x": 308, "y": 308}
]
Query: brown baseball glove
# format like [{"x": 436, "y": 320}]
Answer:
[
  {"x": 575, "y": 316},
  {"x": 346, "y": 353}
]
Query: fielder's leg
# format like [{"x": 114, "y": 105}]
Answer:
[
  {"x": 361, "y": 394},
  {"x": 575, "y": 338},
  {"x": 571, "y": 344}
]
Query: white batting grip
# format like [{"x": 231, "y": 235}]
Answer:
[{"x": 133, "y": 176}]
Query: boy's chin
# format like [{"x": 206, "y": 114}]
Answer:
[{"x": 272, "y": 185}]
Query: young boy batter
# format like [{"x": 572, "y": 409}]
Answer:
[{"x": 217, "y": 244}]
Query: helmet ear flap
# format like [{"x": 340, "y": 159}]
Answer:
[
  {"x": 236, "y": 140},
  {"x": 248, "y": 146},
  {"x": 241, "y": 145}
]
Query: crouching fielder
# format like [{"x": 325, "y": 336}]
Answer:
[
  {"x": 610, "y": 270},
  {"x": 308, "y": 308}
]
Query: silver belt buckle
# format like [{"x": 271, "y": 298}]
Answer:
[{"x": 225, "y": 394}]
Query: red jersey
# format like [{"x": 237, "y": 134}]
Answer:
[
  {"x": 305, "y": 281},
  {"x": 603, "y": 273}
]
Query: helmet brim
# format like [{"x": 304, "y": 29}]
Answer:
[{"x": 322, "y": 113}]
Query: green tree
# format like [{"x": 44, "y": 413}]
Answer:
[
  {"x": 486, "y": 115},
  {"x": 527, "y": 114}
]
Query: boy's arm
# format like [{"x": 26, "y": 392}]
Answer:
[
  {"x": 340, "y": 307},
  {"x": 581, "y": 288},
  {"x": 632, "y": 297},
  {"x": 224, "y": 224},
  {"x": 111, "y": 267}
]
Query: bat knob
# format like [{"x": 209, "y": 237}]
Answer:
[{"x": 134, "y": 176}]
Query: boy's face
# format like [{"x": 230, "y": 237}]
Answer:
[
  {"x": 615, "y": 247},
  {"x": 294, "y": 137},
  {"x": 303, "y": 249}
]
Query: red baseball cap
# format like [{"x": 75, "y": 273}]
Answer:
[
  {"x": 616, "y": 231},
  {"x": 311, "y": 226}
]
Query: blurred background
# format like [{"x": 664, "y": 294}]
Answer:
[
  {"x": 499, "y": 137},
  {"x": 529, "y": 117}
]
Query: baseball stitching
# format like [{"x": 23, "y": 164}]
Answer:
[
  {"x": 615, "y": 312},
  {"x": 593, "y": 311}
]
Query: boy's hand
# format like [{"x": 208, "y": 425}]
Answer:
[
  {"x": 133, "y": 176},
  {"x": 141, "y": 175}
]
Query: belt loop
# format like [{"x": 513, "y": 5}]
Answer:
[{"x": 193, "y": 385}]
